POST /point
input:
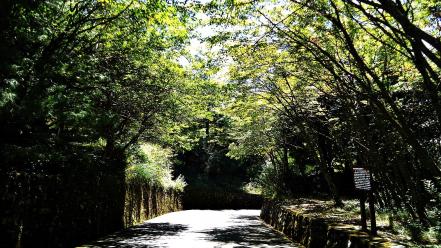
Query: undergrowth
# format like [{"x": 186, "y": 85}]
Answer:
[{"x": 151, "y": 164}]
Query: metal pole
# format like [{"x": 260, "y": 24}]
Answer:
[
  {"x": 363, "y": 211},
  {"x": 372, "y": 208}
]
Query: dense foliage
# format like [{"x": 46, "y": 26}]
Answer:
[
  {"x": 290, "y": 92},
  {"x": 87, "y": 73},
  {"x": 153, "y": 165},
  {"x": 325, "y": 86}
]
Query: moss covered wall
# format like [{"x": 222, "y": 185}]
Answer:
[
  {"x": 144, "y": 202},
  {"x": 74, "y": 206},
  {"x": 313, "y": 232},
  {"x": 61, "y": 209}
]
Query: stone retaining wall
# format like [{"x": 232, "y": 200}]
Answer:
[
  {"x": 313, "y": 232},
  {"x": 144, "y": 202},
  {"x": 78, "y": 205}
]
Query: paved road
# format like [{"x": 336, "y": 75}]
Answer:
[{"x": 199, "y": 228}]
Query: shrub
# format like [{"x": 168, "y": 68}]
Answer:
[{"x": 151, "y": 164}]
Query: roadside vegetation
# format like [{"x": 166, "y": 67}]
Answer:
[
  {"x": 152, "y": 165},
  {"x": 278, "y": 98}
]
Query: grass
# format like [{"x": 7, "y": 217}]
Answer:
[{"x": 396, "y": 227}]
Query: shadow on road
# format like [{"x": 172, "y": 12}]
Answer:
[
  {"x": 144, "y": 235},
  {"x": 199, "y": 228},
  {"x": 250, "y": 233}
]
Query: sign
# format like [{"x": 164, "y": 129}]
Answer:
[{"x": 362, "y": 179}]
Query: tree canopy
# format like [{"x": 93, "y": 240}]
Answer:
[{"x": 297, "y": 88}]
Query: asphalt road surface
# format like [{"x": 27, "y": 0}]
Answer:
[{"x": 199, "y": 228}]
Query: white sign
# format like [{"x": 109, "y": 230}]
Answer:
[{"x": 362, "y": 179}]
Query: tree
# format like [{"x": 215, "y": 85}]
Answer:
[
  {"x": 327, "y": 65},
  {"x": 88, "y": 72}
]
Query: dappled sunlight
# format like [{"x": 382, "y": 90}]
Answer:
[
  {"x": 114, "y": 112},
  {"x": 316, "y": 231},
  {"x": 140, "y": 235},
  {"x": 324, "y": 209},
  {"x": 199, "y": 228}
]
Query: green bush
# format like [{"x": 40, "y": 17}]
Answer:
[
  {"x": 151, "y": 164},
  {"x": 271, "y": 182}
]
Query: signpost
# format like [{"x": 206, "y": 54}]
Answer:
[{"x": 362, "y": 180}]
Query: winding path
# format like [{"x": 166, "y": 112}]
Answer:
[{"x": 199, "y": 228}]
